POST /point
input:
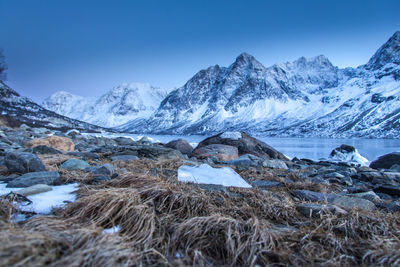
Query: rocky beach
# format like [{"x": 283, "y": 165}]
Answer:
[{"x": 70, "y": 198}]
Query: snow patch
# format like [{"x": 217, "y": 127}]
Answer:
[
  {"x": 205, "y": 174},
  {"x": 231, "y": 135},
  {"x": 353, "y": 157},
  {"x": 112, "y": 230},
  {"x": 43, "y": 203}
]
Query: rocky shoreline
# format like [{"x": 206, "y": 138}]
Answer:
[{"x": 294, "y": 212}]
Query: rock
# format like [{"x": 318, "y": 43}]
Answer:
[
  {"x": 34, "y": 189},
  {"x": 84, "y": 155},
  {"x": 33, "y": 178},
  {"x": 386, "y": 161},
  {"x": 353, "y": 203},
  {"x": 395, "y": 168},
  {"x": 123, "y": 141},
  {"x": 145, "y": 139},
  {"x": 74, "y": 164},
  {"x": 57, "y": 142},
  {"x": 106, "y": 169},
  {"x": 315, "y": 210},
  {"x": 124, "y": 158},
  {"x": 245, "y": 145},
  {"x": 246, "y": 161},
  {"x": 369, "y": 195},
  {"x": 73, "y": 133},
  {"x": 100, "y": 179},
  {"x": 23, "y": 162},
  {"x": 374, "y": 178},
  {"x": 222, "y": 152},
  {"x": 394, "y": 206},
  {"x": 388, "y": 189},
  {"x": 275, "y": 164},
  {"x": 24, "y": 127},
  {"x": 181, "y": 145},
  {"x": 267, "y": 184},
  {"x": 313, "y": 196},
  {"x": 318, "y": 180},
  {"x": 42, "y": 149}
]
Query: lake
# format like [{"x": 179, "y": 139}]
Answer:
[{"x": 311, "y": 148}]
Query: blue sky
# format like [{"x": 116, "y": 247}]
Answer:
[{"x": 88, "y": 47}]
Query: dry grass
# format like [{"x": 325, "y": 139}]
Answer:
[{"x": 165, "y": 222}]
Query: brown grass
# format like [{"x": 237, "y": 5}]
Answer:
[{"x": 165, "y": 222}]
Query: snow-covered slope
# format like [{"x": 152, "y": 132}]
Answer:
[
  {"x": 307, "y": 97},
  {"x": 120, "y": 105},
  {"x": 14, "y": 107}
]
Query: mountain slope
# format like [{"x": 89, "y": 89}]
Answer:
[
  {"x": 307, "y": 97},
  {"x": 119, "y": 105},
  {"x": 23, "y": 110}
]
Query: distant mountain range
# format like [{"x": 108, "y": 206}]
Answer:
[
  {"x": 306, "y": 98},
  {"x": 118, "y": 106}
]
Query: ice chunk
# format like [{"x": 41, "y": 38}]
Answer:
[
  {"x": 112, "y": 230},
  {"x": 231, "y": 135},
  {"x": 354, "y": 157},
  {"x": 43, "y": 203},
  {"x": 205, "y": 174}
]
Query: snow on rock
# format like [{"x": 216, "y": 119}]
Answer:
[
  {"x": 346, "y": 153},
  {"x": 205, "y": 174},
  {"x": 231, "y": 135},
  {"x": 112, "y": 230},
  {"x": 43, "y": 203}
]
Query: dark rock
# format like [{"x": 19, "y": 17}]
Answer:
[
  {"x": 100, "y": 179},
  {"x": 114, "y": 175},
  {"x": 315, "y": 210},
  {"x": 106, "y": 169},
  {"x": 123, "y": 141},
  {"x": 23, "y": 162},
  {"x": 388, "y": 189},
  {"x": 275, "y": 164},
  {"x": 246, "y": 161},
  {"x": 245, "y": 145},
  {"x": 33, "y": 178},
  {"x": 313, "y": 196},
  {"x": 394, "y": 206},
  {"x": 386, "y": 161},
  {"x": 222, "y": 152},
  {"x": 181, "y": 145},
  {"x": 344, "y": 149},
  {"x": 42, "y": 149},
  {"x": 395, "y": 168},
  {"x": 84, "y": 155},
  {"x": 124, "y": 158},
  {"x": 374, "y": 178},
  {"x": 267, "y": 184},
  {"x": 74, "y": 164},
  {"x": 318, "y": 180},
  {"x": 369, "y": 195},
  {"x": 151, "y": 151}
]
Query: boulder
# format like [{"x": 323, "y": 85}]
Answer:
[
  {"x": 221, "y": 152},
  {"x": 315, "y": 210},
  {"x": 245, "y": 145},
  {"x": 264, "y": 184},
  {"x": 394, "y": 206},
  {"x": 388, "y": 189},
  {"x": 353, "y": 203},
  {"x": 33, "y": 178},
  {"x": 386, "y": 161},
  {"x": 275, "y": 164},
  {"x": 346, "y": 153},
  {"x": 57, "y": 142},
  {"x": 181, "y": 145},
  {"x": 42, "y": 149},
  {"x": 246, "y": 161},
  {"x": 123, "y": 158},
  {"x": 123, "y": 141},
  {"x": 106, "y": 169},
  {"x": 23, "y": 162},
  {"x": 74, "y": 164},
  {"x": 84, "y": 155},
  {"x": 34, "y": 189}
]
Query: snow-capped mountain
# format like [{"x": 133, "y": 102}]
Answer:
[
  {"x": 118, "y": 106},
  {"x": 307, "y": 97},
  {"x": 14, "y": 107}
]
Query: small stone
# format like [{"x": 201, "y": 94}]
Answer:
[
  {"x": 315, "y": 210},
  {"x": 393, "y": 207},
  {"x": 84, "y": 155},
  {"x": 275, "y": 164},
  {"x": 388, "y": 189},
  {"x": 264, "y": 184},
  {"x": 100, "y": 179},
  {"x": 74, "y": 164},
  {"x": 34, "y": 189},
  {"x": 369, "y": 195},
  {"x": 42, "y": 149},
  {"x": 124, "y": 158}
]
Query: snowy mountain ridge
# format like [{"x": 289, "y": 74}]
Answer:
[
  {"x": 307, "y": 97},
  {"x": 119, "y": 105}
]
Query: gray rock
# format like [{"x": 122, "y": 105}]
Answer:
[
  {"x": 222, "y": 152},
  {"x": 33, "y": 178},
  {"x": 374, "y": 178},
  {"x": 313, "y": 196},
  {"x": 84, "y": 155},
  {"x": 23, "y": 162},
  {"x": 318, "y": 180},
  {"x": 388, "y": 189},
  {"x": 123, "y": 141},
  {"x": 34, "y": 189},
  {"x": 333, "y": 175},
  {"x": 100, "y": 179},
  {"x": 386, "y": 161},
  {"x": 74, "y": 164},
  {"x": 181, "y": 145},
  {"x": 394, "y": 206},
  {"x": 353, "y": 203},
  {"x": 42, "y": 149},
  {"x": 106, "y": 169},
  {"x": 315, "y": 210},
  {"x": 264, "y": 184},
  {"x": 246, "y": 161},
  {"x": 275, "y": 164},
  {"x": 395, "y": 168},
  {"x": 124, "y": 158},
  {"x": 369, "y": 195}
]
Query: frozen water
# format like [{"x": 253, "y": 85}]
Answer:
[
  {"x": 112, "y": 230},
  {"x": 350, "y": 157},
  {"x": 205, "y": 174}
]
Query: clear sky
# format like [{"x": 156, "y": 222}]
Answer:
[{"x": 86, "y": 47}]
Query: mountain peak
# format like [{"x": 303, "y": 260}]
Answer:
[
  {"x": 245, "y": 59},
  {"x": 387, "y": 53}
]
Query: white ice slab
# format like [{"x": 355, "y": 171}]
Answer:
[
  {"x": 205, "y": 174},
  {"x": 354, "y": 157},
  {"x": 43, "y": 203}
]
